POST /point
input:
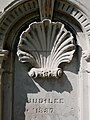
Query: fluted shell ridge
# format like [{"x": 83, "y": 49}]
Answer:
[{"x": 46, "y": 44}]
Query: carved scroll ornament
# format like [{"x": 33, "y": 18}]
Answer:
[{"x": 45, "y": 45}]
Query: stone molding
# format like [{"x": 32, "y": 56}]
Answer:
[
  {"x": 3, "y": 56},
  {"x": 12, "y": 14},
  {"x": 21, "y": 8},
  {"x": 76, "y": 13}
]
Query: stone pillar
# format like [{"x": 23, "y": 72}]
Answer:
[
  {"x": 86, "y": 55},
  {"x": 3, "y": 55},
  {"x": 89, "y": 85}
]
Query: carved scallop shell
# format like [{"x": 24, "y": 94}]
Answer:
[{"x": 46, "y": 45}]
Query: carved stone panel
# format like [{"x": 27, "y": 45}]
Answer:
[
  {"x": 45, "y": 76},
  {"x": 46, "y": 45},
  {"x": 49, "y": 87},
  {"x": 46, "y": 98}
]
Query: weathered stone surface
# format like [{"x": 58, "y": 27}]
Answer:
[
  {"x": 45, "y": 87},
  {"x": 42, "y": 38},
  {"x": 4, "y": 3},
  {"x": 61, "y": 92},
  {"x": 50, "y": 106}
]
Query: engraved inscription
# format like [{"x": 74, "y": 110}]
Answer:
[
  {"x": 43, "y": 110},
  {"x": 45, "y": 100},
  {"x": 43, "y": 73},
  {"x": 42, "y": 106}
]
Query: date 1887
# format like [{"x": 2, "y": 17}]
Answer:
[{"x": 43, "y": 110}]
